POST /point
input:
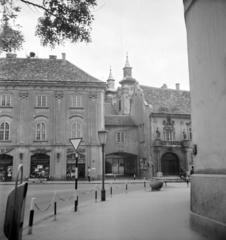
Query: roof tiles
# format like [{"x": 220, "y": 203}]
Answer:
[
  {"x": 167, "y": 100},
  {"x": 42, "y": 69}
]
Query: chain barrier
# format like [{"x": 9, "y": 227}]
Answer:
[
  {"x": 48, "y": 206},
  {"x": 83, "y": 192}
]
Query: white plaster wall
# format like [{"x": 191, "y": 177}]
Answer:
[{"x": 205, "y": 22}]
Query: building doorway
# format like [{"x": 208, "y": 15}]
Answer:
[
  {"x": 6, "y": 167},
  {"x": 40, "y": 166},
  {"x": 170, "y": 164}
]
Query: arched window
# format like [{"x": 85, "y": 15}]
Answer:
[
  {"x": 41, "y": 132},
  {"x": 120, "y": 137},
  {"x": 4, "y": 131},
  {"x": 76, "y": 130}
]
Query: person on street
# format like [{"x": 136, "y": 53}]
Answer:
[{"x": 88, "y": 173}]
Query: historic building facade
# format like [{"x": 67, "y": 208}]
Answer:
[
  {"x": 162, "y": 125},
  {"x": 44, "y": 103}
]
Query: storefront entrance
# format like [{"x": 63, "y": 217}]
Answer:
[
  {"x": 71, "y": 166},
  {"x": 6, "y": 167},
  {"x": 170, "y": 164},
  {"x": 40, "y": 166}
]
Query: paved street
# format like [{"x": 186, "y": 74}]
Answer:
[
  {"x": 44, "y": 194},
  {"x": 137, "y": 215}
]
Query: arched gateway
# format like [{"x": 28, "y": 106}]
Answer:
[{"x": 170, "y": 164}]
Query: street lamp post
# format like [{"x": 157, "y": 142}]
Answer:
[
  {"x": 75, "y": 142},
  {"x": 103, "y": 139}
]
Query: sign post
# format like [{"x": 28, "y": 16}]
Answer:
[
  {"x": 15, "y": 207},
  {"x": 75, "y": 142}
]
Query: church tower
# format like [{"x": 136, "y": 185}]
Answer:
[{"x": 127, "y": 88}]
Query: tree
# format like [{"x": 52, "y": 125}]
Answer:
[{"x": 62, "y": 20}]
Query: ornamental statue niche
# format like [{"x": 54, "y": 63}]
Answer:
[
  {"x": 184, "y": 135},
  {"x": 158, "y": 134}
]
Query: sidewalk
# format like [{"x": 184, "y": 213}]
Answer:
[{"x": 161, "y": 215}]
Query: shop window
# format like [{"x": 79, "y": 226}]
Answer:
[
  {"x": 120, "y": 137},
  {"x": 41, "y": 101},
  {"x": 76, "y": 130},
  {"x": 76, "y": 101},
  {"x": 4, "y": 131},
  {"x": 41, "y": 132},
  {"x": 5, "y": 100}
]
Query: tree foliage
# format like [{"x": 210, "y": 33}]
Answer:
[{"x": 62, "y": 20}]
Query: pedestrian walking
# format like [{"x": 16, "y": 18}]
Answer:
[
  {"x": 88, "y": 173},
  {"x": 192, "y": 170}
]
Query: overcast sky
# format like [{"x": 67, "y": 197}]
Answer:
[{"x": 151, "y": 31}]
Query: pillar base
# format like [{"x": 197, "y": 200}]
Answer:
[
  {"x": 103, "y": 195},
  {"x": 208, "y": 194}
]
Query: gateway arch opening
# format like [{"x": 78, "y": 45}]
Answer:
[
  {"x": 170, "y": 164},
  {"x": 121, "y": 164}
]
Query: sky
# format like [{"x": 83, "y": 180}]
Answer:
[{"x": 151, "y": 32}]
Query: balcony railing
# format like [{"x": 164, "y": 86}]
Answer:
[
  {"x": 170, "y": 143},
  {"x": 159, "y": 142}
]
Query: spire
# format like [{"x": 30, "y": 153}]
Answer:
[
  {"x": 110, "y": 75},
  {"x": 127, "y": 65},
  {"x": 111, "y": 81}
]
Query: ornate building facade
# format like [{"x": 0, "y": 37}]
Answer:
[
  {"x": 161, "y": 138},
  {"x": 44, "y": 103}
]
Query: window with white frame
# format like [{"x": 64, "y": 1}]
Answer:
[
  {"x": 41, "y": 100},
  {"x": 4, "y": 131},
  {"x": 76, "y": 130},
  {"x": 120, "y": 137},
  {"x": 5, "y": 100},
  {"x": 41, "y": 131},
  {"x": 76, "y": 100}
]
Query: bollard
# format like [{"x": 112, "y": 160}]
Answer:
[
  {"x": 111, "y": 191},
  {"x": 134, "y": 177},
  {"x": 55, "y": 209},
  {"x": 126, "y": 187},
  {"x": 31, "y": 217},
  {"x": 96, "y": 196},
  {"x": 76, "y": 199},
  {"x": 144, "y": 186}
]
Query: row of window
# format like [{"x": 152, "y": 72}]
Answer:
[
  {"x": 41, "y": 130},
  {"x": 169, "y": 134},
  {"x": 41, "y": 100}
]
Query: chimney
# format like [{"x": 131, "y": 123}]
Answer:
[
  {"x": 11, "y": 55},
  {"x": 164, "y": 86},
  {"x": 178, "y": 86},
  {"x": 52, "y": 57},
  {"x": 63, "y": 58}
]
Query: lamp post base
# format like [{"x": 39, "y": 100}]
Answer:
[{"x": 103, "y": 195}]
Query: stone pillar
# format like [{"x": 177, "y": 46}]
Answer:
[{"x": 206, "y": 37}]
